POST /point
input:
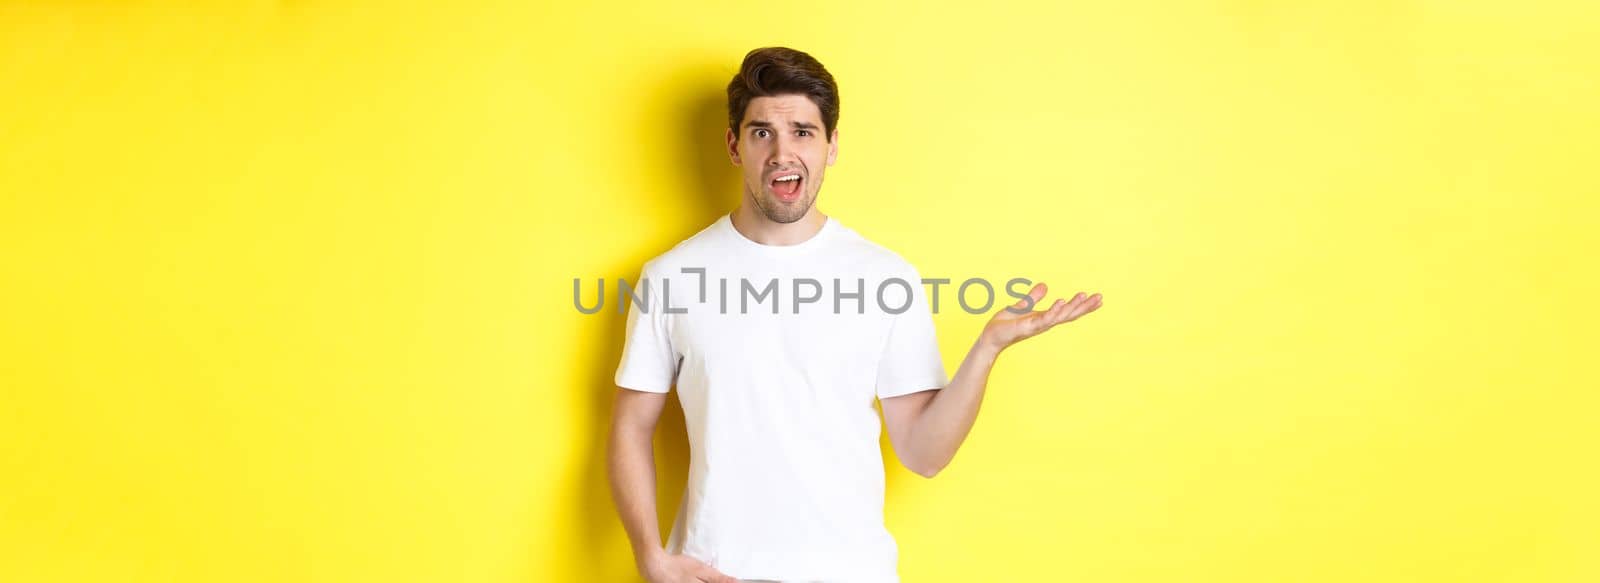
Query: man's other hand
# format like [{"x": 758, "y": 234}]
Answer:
[{"x": 665, "y": 568}]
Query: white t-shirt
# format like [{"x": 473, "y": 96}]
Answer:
[{"x": 785, "y": 472}]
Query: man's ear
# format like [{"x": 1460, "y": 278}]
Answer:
[
  {"x": 833, "y": 147},
  {"x": 733, "y": 147}
]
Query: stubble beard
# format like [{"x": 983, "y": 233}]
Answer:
[{"x": 784, "y": 213}]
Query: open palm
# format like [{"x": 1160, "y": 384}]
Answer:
[{"x": 1008, "y": 326}]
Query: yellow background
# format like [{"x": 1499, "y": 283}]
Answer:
[{"x": 287, "y": 285}]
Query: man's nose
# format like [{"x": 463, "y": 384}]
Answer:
[{"x": 783, "y": 152}]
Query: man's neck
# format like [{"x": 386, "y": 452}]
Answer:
[{"x": 757, "y": 227}]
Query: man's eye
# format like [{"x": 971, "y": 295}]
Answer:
[
  {"x": 761, "y": 133},
  {"x": 804, "y": 133}
]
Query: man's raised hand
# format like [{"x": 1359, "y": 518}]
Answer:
[{"x": 1017, "y": 322}]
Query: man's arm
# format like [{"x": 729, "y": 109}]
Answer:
[
  {"x": 926, "y": 428},
  {"x": 631, "y": 466}
]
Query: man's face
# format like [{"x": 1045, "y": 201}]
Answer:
[{"x": 783, "y": 153}]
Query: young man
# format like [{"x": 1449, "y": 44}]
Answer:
[{"x": 780, "y": 326}]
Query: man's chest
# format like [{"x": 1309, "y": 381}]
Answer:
[{"x": 815, "y": 344}]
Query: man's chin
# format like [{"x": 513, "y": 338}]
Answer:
[
  {"x": 784, "y": 219},
  {"x": 781, "y": 212}
]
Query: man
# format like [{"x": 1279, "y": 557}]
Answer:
[{"x": 777, "y": 378}]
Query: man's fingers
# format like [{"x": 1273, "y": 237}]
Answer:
[
  {"x": 714, "y": 576},
  {"x": 1088, "y": 305},
  {"x": 1059, "y": 315},
  {"x": 1042, "y": 320},
  {"x": 1053, "y": 315}
]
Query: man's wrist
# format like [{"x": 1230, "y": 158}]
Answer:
[
  {"x": 986, "y": 348},
  {"x": 647, "y": 559}
]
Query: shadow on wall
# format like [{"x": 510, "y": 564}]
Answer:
[{"x": 695, "y": 104}]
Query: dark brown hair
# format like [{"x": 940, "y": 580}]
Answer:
[{"x": 770, "y": 71}]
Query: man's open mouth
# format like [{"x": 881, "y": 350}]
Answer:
[{"x": 786, "y": 186}]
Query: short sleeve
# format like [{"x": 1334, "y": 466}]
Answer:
[
  {"x": 649, "y": 362},
  {"x": 911, "y": 360}
]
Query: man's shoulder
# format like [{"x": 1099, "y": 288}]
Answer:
[
  {"x": 694, "y": 251},
  {"x": 872, "y": 254}
]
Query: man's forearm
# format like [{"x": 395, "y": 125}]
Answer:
[
  {"x": 631, "y": 466},
  {"x": 948, "y": 417}
]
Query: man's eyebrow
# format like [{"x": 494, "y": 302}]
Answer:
[{"x": 761, "y": 123}]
